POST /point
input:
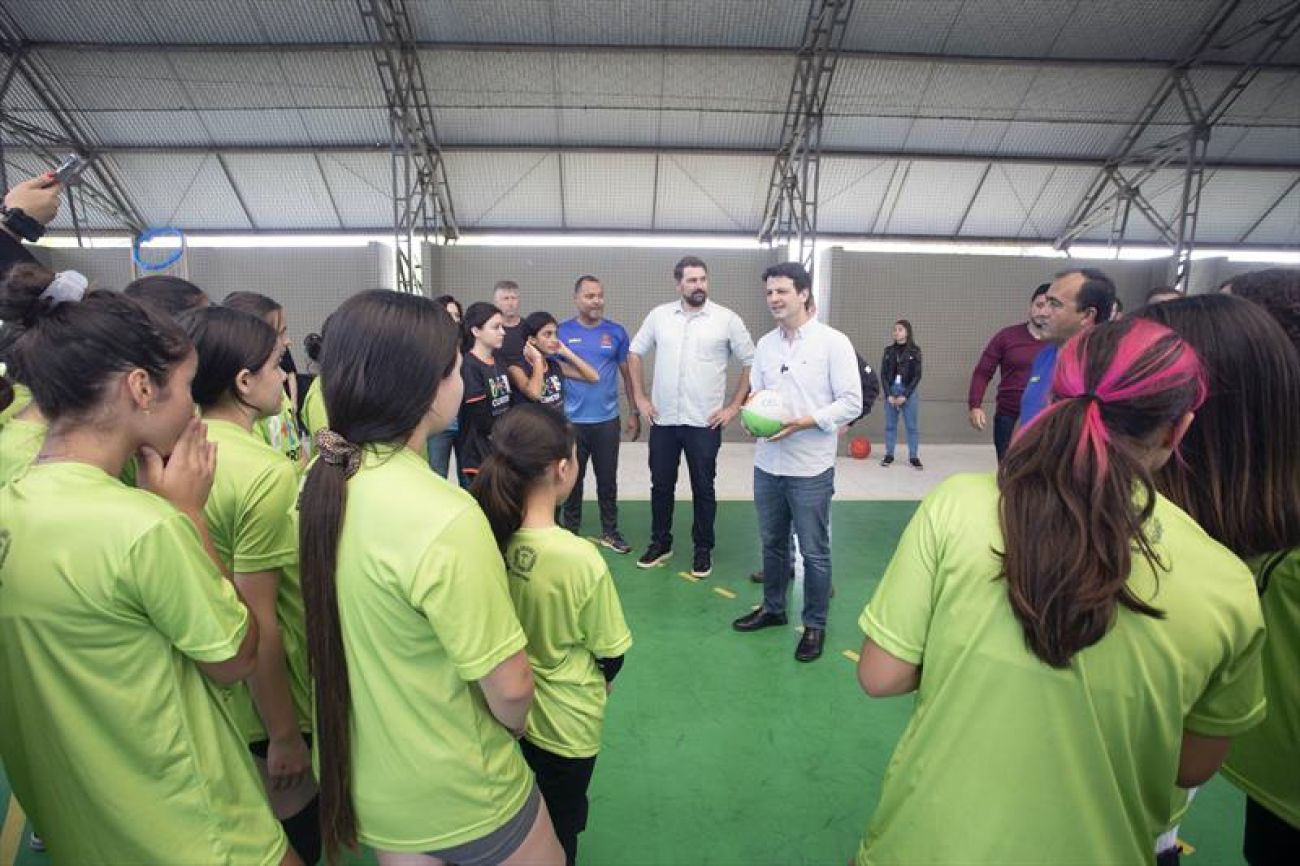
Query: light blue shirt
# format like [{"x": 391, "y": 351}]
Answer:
[
  {"x": 816, "y": 373},
  {"x": 692, "y": 349}
]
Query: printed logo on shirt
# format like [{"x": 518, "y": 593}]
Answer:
[
  {"x": 606, "y": 341},
  {"x": 499, "y": 393},
  {"x": 522, "y": 561},
  {"x": 552, "y": 389}
]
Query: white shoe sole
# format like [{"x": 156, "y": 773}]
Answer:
[{"x": 662, "y": 558}]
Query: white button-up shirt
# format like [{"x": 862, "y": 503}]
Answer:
[
  {"x": 691, "y": 354},
  {"x": 817, "y": 374}
]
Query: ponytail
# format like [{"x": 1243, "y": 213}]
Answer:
[
  {"x": 1076, "y": 492},
  {"x": 386, "y": 355},
  {"x": 525, "y": 442}
]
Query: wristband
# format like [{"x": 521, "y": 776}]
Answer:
[{"x": 18, "y": 222}]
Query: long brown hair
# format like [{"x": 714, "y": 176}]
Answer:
[
  {"x": 1240, "y": 473},
  {"x": 1075, "y": 490},
  {"x": 525, "y": 442},
  {"x": 380, "y": 368}
]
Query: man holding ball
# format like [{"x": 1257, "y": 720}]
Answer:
[{"x": 814, "y": 369}]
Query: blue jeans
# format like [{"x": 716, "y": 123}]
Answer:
[
  {"x": 783, "y": 501},
  {"x": 439, "y": 446},
  {"x": 910, "y": 412}
]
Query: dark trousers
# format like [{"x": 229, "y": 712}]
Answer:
[
  {"x": 1003, "y": 427},
  {"x": 563, "y": 782},
  {"x": 700, "y": 445},
  {"x": 1269, "y": 840},
  {"x": 599, "y": 444}
]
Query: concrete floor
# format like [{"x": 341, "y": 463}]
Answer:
[{"x": 854, "y": 479}]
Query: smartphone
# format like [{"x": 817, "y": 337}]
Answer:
[{"x": 70, "y": 169}]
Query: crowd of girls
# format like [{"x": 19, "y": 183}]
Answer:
[{"x": 212, "y": 652}]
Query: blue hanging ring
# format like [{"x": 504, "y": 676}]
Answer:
[{"x": 153, "y": 234}]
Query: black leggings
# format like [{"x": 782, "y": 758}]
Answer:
[
  {"x": 563, "y": 782},
  {"x": 302, "y": 827},
  {"x": 1269, "y": 840}
]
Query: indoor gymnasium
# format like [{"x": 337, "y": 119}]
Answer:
[{"x": 646, "y": 432}]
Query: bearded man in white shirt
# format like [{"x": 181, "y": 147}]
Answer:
[{"x": 693, "y": 339}]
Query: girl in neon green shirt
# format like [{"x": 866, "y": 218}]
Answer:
[
  {"x": 1240, "y": 479},
  {"x": 421, "y": 680},
  {"x": 280, "y": 429},
  {"x": 111, "y": 608},
  {"x": 1078, "y": 645},
  {"x": 250, "y": 513},
  {"x": 566, "y": 601}
]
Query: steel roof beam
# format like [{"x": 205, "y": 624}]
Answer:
[
  {"x": 305, "y": 149},
  {"x": 779, "y": 52}
]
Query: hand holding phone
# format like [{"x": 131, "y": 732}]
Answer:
[{"x": 70, "y": 169}]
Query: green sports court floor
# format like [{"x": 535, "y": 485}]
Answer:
[{"x": 720, "y": 748}]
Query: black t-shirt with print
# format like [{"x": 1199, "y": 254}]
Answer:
[
  {"x": 487, "y": 397},
  {"x": 552, "y": 395}
]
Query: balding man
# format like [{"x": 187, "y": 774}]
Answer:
[{"x": 1076, "y": 299}]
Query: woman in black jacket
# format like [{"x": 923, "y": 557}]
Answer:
[{"x": 900, "y": 373}]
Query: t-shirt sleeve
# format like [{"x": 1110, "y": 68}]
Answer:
[
  {"x": 265, "y": 536},
  {"x": 897, "y": 619},
  {"x": 181, "y": 591},
  {"x": 621, "y": 344},
  {"x": 460, "y": 587},
  {"x": 604, "y": 630},
  {"x": 1233, "y": 700}
]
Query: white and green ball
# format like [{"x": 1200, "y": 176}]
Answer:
[{"x": 765, "y": 413}]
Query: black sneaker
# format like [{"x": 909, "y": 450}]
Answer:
[
  {"x": 916, "y": 463},
  {"x": 654, "y": 555},
  {"x": 615, "y": 541},
  {"x": 889, "y": 459},
  {"x": 757, "y": 576},
  {"x": 703, "y": 563}
]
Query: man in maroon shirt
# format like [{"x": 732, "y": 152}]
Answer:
[{"x": 1013, "y": 349}]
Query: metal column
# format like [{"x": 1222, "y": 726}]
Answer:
[
  {"x": 790, "y": 214},
  {"x": 1117, "y": 189},
  {"x": 422, "y": 206}
]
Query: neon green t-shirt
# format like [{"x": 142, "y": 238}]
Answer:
[
  {"x": 20, "y": 442},
  {"x": 425, "y": 613},
  {"x": 280, "y": 431},
  {"x": 314, "y": 416},
  {"x": 1080, "y": 760},
  {"x": 22, "y": 397},
  {"x": 569, "y": 609},
  {"x": 1265, "y": 762},
  {"x": 114, "y": 740},
  {"x": 252, "y": 517}
]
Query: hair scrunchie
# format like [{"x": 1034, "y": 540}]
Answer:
[{"x": 337, "y": 451}]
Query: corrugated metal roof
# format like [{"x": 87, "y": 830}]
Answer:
[
  {"x": 608, "y": 191},
  {"x": 711, "y": 193},
  {"x": 520, "y": 190},
  {"x": 537, "y": 96},
  {"x": 284, "y": 192}
]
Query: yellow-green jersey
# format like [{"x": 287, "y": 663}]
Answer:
[
  {"x": 22, "y": 399},
  {"x": 280, "y": 431},
  {"x": 252, "y": 518},
  {"x": 314, "y": 416},
  {"x": 1265, "y": 762},
  {"x": 1007, "y": 760},
  {"x": 20, "y": 442},
  {"x": 425, "y": 613},
  {"x": 114, "y": 741},
  {"x": 569, "y": 609}
]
